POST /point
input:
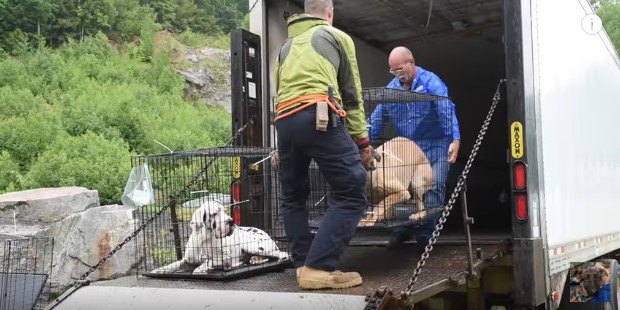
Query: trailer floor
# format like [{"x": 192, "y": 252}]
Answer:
[{"x": 377, "y": 265}]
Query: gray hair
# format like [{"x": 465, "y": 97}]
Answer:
[{"x": 317, "y": 7}]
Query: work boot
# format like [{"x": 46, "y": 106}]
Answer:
[
  {"x": 315, "y": 279},
  {"x": 298, "y": 273}
]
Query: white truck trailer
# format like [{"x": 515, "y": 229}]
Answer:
[
  {"x": 541, "y": 191},
  {"x": 562, "y": 91}
]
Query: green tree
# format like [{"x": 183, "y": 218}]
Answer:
[
  {"x": 18, "y": 102},
  {"x": 165, "y": 10},
  {"x": 13, "y": 73},
  {"x": 67, "y": 22},
  {"x": 16, "y": 42},
  {"x": 245, "y": 23},
  {"x": 36, "y": 16},
  {"x": 230, "y": 13},
  {"x": 33, "y": 24},
  {"x": 132, "y": 18},
  {"x": 10, "y": 176},
  {"x": 609, "y": 11},
  {"x": 26, "y": 137},
  {"x": 27, "y": 15},
  {"x": 93, "y": 91},
  {"x": 186, "y": 15},
  {"x": 7, "y": 18},
  {"x": 95, "y": 15},
  {"x": 89, "y": 160},
  {"x": 206, "y": 21}
]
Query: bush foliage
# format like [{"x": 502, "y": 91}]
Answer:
[{"x": 75, "y": 114}]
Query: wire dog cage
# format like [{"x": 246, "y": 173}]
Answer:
[
  {"x": 411, "y": 132},
  {"x": 25, "y": 272},
  {"x": 217, "y": 220}
]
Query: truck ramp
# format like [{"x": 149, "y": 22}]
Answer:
[{"x": 446, "y": 268}]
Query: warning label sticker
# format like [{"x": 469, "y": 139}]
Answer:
[
  {"x": 516, "y": 140},
  {"x": 236, "y": 167}
]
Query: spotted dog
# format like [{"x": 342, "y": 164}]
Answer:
[{"x": 216, "y": 242}]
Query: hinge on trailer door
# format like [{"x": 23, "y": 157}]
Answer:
[{"x": 382, "y": 299}]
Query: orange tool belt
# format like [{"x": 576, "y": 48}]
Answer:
[{"x": 310, "y": 100}]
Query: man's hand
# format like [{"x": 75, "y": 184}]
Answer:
[
  {"x": 367, "y": 155},
  {"x": 275, "y": 160},
  {"x": 453, "y": 151}
]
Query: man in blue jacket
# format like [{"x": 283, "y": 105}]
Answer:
[{"x": 432, "y": 125}]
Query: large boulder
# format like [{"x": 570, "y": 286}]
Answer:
[
  {"x": 83, "y": 231},
  {"x": 28, "y": 212},
  {"x": 206, "y": 70},
  {"x": 207, "y": 76},
  {"x": 82, "y": 239}
]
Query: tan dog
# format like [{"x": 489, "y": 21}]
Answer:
[{"x": 403, "y": 173}]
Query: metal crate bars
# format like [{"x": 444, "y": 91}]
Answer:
[
  {"x": 411, "y": 132},
  {"x": 25, "y": 270},
  {"x": 220, "y": 222}
]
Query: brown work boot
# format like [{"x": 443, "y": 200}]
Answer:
[
  {"x": 314, "y": 279},
  {"x": 298, "y": 272}
]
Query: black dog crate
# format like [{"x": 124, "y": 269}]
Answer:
[
  {"x": 401, "y": 175},
  {"x": 240, "y": 179},
  {"x": 25, "y": 269}
]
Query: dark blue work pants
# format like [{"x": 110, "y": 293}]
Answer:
[{"x": 338, "y": 158}]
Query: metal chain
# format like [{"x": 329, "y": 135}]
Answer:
[
  {"x": 373, "y": 301},
  {"x": 79, "y": 282},
  {"x": 456, "y": 192}
]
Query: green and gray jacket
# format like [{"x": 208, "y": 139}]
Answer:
[{"x": 314, "y": 56}]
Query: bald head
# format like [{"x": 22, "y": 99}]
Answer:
[
  {"x": 402, "y": 65},
  {"x": 320, "y": 8},
  {"x": 401, "y": 54}
]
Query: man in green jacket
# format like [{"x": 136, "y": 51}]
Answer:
[{"x": 314, "y": 57}]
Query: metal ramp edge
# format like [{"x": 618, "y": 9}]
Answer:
[{"x": 461, "y": 277}]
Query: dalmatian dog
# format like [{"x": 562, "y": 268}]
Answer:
[
  {"x": 216, "y": 242},
  {"x": 403, "y": 174}
]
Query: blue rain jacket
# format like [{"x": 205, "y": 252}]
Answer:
[
  {"x": 432, "y": 125},
  {"x": 604, "y": 295}
]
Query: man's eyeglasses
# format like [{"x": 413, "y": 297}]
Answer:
[{"x": 399, "y": 70}]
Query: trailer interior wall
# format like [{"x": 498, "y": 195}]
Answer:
[
  {"x": 578, "y": 77},
  {"x": 470, "y": 62},
  {"x": 471, "y": 68},
  {"x": 267, "y": 20},
  {"x": 372, "y": 71}
]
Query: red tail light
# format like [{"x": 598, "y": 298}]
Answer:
[
  {"x": 521, "y": 205},
  {"x": 520, "y": 175},
  {"x": 236, "y": 192},
  {"x": 237, "y": 215}
]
